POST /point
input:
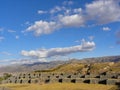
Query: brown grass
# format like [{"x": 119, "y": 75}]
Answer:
[{"x": 59, "y": 86}]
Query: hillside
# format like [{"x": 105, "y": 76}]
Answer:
[
  {"x": 30, "y": 67},
  {"x": 85, "y": 68},
  {"x": 72, "y": 65}
]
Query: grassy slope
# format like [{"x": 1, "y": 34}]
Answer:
[
  {"x": 80, "y": 67},
  {"x": 70, "y": 68},
  {"x": 59, "y": 86},
  {"x": 101, "y": 67}
]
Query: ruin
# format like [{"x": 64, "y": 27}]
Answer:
[{"x": 107, "y": 79}]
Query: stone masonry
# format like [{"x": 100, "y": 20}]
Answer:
[{"x": 108, "y": 79}]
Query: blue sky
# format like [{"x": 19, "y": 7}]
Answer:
[{"x": 36, "y": 30}]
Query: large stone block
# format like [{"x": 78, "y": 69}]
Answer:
[
  {"x": 87, "y": 76},
  {"x": 108, "y": 76},
  {"x": 79, "y": 80},
  {"x": 55, "y": 80},
  {"x": 94, "y": 81},
  {"x": 66, "y": 80},
  {"x": 23, "y": 81},
  {"x": 19, "y": 81},
  {"x": 111, "y": 81},
  {"x": 34, "y": 81},
  {"x": 118, "y": 77}
]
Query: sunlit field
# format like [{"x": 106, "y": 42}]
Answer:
[{"x": 58, "y": 86}]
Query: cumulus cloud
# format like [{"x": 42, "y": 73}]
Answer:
[
  {"x": 106, "y": 29},
  {"x": 43, "y": 27},
  {"x": 72, "y": 20},
  {"x": 41, "y": 12},
  {"x": 77, "y": 10},
  {"x": 44, "y": 53},
  {"x": 104, "y": 11},
  {"x": 56, "y": 9},
  {"x": 95, "y": 13}
]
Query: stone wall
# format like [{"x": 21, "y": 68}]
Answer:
[{"x": 108, "y": 79}]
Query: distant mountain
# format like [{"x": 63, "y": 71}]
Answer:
[
  {"x": 102, "y": 59},
  {"x": 48, "y": 65},
  {"x": 16, "y": 68}
]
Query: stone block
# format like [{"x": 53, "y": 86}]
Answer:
[
  {"x": 34, "y": 81},
  {"x": 66, "y": 80},
  {"x": 94, "y": 81},
  {"x": 79, "y": 80},
  {"x": 87, "y": 76},
  {"x": 111, "y": 81}
]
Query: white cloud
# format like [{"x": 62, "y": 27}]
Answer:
[
  {"x": 27, "y": 61},
  {"x": 57, "y": 9},
  {"x": 1, "y": 38},
  {"x": 68, "y": 2},
  {"x": 96, "y": 13},
  {"x": 77, "y": 10},
  {"x": 43, "y": 27},
  {"x": 44, "y": 53},
  {"x": 17, "y": 37},
  {"x": 41, "y": 12},
  {"x": 91, "y": 38},
  {"x": 106, "y": 29},
  {"x": 11, "y": 31},
  {"x": 27, "y": 23},
  {"x": 5, "y": 62},
  {"x": 75, "y": 20},
  {"x": 103, "y": 11}
]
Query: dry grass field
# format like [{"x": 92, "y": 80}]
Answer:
[{"x": 59, "y": 86}]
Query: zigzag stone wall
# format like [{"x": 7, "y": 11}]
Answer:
[{"x": 108, "y": 79}]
